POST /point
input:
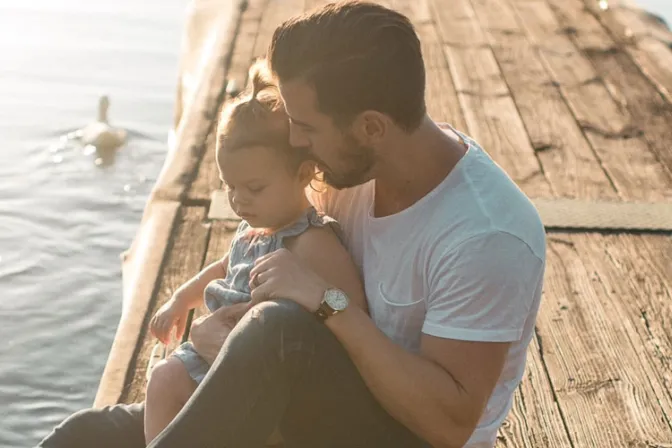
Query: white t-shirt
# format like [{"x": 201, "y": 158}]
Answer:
[{"x": 464, "y": 262}]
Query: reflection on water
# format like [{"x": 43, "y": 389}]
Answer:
[{"x": 67, "y": 210}]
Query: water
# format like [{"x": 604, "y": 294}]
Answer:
[{"x": 64, "y": 220}]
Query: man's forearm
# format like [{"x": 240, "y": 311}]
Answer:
[{"x": 414, "y": 390}]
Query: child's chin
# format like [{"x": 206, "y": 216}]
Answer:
[{"x": 256, "y": 223}]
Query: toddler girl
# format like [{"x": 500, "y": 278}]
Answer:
[{"x": 266, "y": 180}]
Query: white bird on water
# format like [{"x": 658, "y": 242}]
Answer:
[{"x": 100, "y": 134}]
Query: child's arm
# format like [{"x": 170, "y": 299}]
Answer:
[
  {"x": 320, "y": 248},
  {"x": 190, "y": 294},
  {"x": 173, "y": 313}
]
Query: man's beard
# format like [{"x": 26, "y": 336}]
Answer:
[{"x": 358, "y": 160}]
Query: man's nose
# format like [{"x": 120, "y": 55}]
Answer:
[{"x": 297, "y": 137}]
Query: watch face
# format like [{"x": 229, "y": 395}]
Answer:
[{"x": 336, "y": 299}]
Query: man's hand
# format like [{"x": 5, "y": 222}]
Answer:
[
  {"x": 209, "y": 332},
  {"x": 282, "y": 275}
]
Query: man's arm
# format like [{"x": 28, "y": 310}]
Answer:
[
  {"x": 438, "y": 394},
  {"x": 479, "y": 300},
  {"x": 319, "y": 248}
]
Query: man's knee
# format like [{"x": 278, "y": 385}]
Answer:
[{"x": 278, "y": 323}]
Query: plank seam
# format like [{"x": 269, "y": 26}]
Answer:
[
  {"x": 614, "y": 50},
  {"x": 444, "y": 58},
  {"x": 623, "y": 46},
  {"x": 549, "y": 378},
  {"x": 558, "y": 86},
  {"x": 488, "y": 45},
  {"x": 144, "y": 328},
  {"x": 211, "y": 115}
]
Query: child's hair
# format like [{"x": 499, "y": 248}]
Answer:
[{"x": 258, "y": 118}]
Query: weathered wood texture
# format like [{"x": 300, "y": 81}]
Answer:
[
  {"x": 184, "y": 259},
  {"x": 145, "y": 263},
  {"x": 649, "y": 111},
  {"x": 207, "y": 177},
  {"x": 617, "y": 142},
  {"x": 607, "y": 385},
  {"x": 221, "y": 234},
  {"x": 642, "y": 36},
  {"x": 491, "y": 114},
  {"x": 569, "y": 108}
]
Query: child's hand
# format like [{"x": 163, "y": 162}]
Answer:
[{"x": 170, "y": 315}]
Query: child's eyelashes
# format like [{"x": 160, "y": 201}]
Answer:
[{"x": 254, "y": 189}]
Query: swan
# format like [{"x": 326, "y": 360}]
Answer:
[{"x": 100, "y": 134}]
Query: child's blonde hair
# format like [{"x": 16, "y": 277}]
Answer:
[{"x": 258, "y": 118}]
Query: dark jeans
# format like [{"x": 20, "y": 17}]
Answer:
[{"x": 279, "y": 366}]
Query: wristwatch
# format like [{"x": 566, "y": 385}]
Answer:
[{"x": 333, "y": 302}]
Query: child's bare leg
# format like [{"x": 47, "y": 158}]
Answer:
[{"x": 168, "y": 389}]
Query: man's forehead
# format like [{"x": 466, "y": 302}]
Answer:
[{"x": 299, "y": 98}]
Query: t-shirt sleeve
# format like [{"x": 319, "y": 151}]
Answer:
[{"x": 483, "y": 290}]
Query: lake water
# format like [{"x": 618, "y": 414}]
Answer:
[{"x": 64, "y": 217}]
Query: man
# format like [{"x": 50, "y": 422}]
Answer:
[{"x": 452, "y": 254}]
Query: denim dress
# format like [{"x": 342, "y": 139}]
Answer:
[{"x": 246, "y": 247}]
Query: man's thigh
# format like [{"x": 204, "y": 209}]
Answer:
[
  {"x": 111, "y": 426},
  {"x": 331, "y": 405}
]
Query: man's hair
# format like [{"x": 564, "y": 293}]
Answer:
[{"x": 357, "y": 56}]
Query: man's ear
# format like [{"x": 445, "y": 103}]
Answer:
[{"x": 370, "y": 127}]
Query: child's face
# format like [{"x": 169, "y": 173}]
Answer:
[{"x": 261, "y": 189}]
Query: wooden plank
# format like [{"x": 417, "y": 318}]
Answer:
[
  {"x": 639, "y": 293},
  {"x": 490, "y": 113},
  {"x": 535, "y": 419},
  {"x": 440, "y": 95},
  {"x": 647, "y": 41},
  {"x": 599, "y": 379},
  {"x": 566, "y": 214},
  {"x": 147, "y": 260},
  {"x": 566, "y": 157},
  {"x": 196, "y": 118},
  {"x": 207, "y": 177},
  {"x": 492, "y": 117},
  {"x": 622, "y": 150},
  {"x": 188, "y": 243},
  {"x": 275, "y": 12},
  {"x": 648, "y": 270},
  {"x": 221, "y": 234},
  {"x": 649, "y": 111},
  {"x": 456, "y": 22}
]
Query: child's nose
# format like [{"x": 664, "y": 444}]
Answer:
[{"x": 239, "y": 198}]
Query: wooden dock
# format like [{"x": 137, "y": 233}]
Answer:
[{"x": 575, "y": 103}]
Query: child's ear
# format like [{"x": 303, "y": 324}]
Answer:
[{"x": 306, "y": 172}]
